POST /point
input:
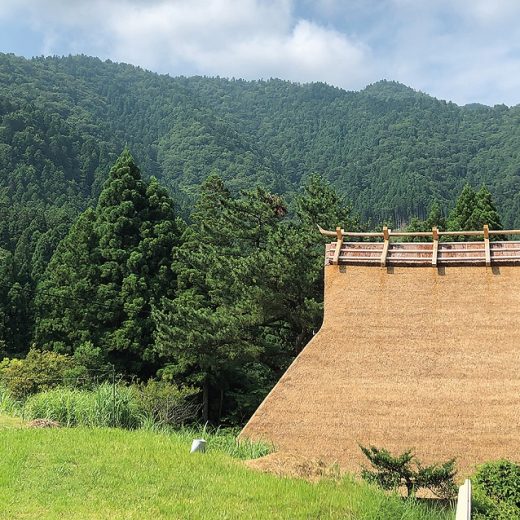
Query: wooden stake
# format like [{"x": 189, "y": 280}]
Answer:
[
  {"x": 339, "y": 244},
  {"x": 386, "y": 236},
  {"x": 486, "y": 245},
  {"x": 435, "y": 249}
]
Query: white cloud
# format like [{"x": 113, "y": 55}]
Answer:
[
  {"x": 240, "y": 38},
  {"x": 170, "y": 33},
  {"x": 463, "y": 50},
  {"x": 307, "y": 53}
]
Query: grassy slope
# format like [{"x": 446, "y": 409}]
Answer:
[
  {"x": 104, "y": 473},
  {"x": 10, "y": 422}
]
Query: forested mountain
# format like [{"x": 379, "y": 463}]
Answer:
[
  {"x": 389, "y": 149},
  {"x": 206, "y": 268}
]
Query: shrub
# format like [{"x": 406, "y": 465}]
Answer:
[
  {"x": 39, "y": 371},
  {"x": 89, "y": 367},
  {"x": 497, "y": 491},
  {"x": 90, "y": 357},
  {"x": 167, "y": 404},
  {"x": 393, "y": 472}
]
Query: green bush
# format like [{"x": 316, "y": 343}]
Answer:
[
  {"x": 166, "y": 404},
  {"x": 107, "y": 405},
  {"x": 90, "y": 357},
  {"x": 392, "y": 472},
  {"x": 497, "y": 491},
  {"x": 38, "y": 371}
]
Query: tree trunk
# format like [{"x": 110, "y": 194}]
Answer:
[
  {"x": 220, "y": 404},
  {"x": 205, "y": 401},
  {"x": 410, "y": 488}
]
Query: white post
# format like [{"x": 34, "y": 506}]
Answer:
[
  {"x": 464, "y": 502},
  {"x": 198, "y": 445}
]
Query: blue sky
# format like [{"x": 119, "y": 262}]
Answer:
[{"x": 464, "y": 51}]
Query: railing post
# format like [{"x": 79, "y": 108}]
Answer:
[
  {"x": 464, "y": 502},
  {"x": 435, "y": 248},
  {"x": 486, "y": 245},
  {"x": 339, "y": 244},
  {"x": 384, "y": 254}
]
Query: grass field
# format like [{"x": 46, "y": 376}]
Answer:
[
  {"x": 117, "y": 474},
  {"x": 10, "y": 422}
]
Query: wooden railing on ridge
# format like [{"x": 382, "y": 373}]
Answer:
[{"x": 434, "y": 253}]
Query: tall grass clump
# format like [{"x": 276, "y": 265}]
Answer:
[
  {"x": 116, "y": 405},
  {"x": 8, "y": 404},
  {"x": 107, "y": 405}
]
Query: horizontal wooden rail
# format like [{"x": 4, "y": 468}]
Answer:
[
  {"x": 432, "y": 234},
  {"x": 411, "y": 233},
  {"x": 387, "y": 252}
]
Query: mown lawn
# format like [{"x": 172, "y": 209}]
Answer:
[
  {"x": 10, "y": 422},
  {"x": 117, "y": 474}
]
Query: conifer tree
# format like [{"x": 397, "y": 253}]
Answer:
[
  {"x": 302, "y": 249},
  {"x": 473, "y": 210},
  {"x": 435, "y": 217},
  {"x": 485, "y": 211},
  {"x": 461, "y": 217},
  {"x": 109, "y": 271},
  {"x": 66, "y": 298},
  {"x": 320, "y": 204},
  {"x": 249, "y": 291},
  {"x": 208, "y": 331}
]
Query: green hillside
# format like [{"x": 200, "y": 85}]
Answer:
[
  {"x": 388, "y": 148},
  {"x": 108, "y": 473}
]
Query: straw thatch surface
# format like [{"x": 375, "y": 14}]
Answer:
[{"x": 418, "y": 358}]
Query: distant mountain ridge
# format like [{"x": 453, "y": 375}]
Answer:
[{"x": 389, "y": 149}]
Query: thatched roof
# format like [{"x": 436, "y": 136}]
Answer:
[{"x": 424, "y": 358}]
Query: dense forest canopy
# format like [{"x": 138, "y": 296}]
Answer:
[
  {"x": 193, "y": 256},
  {"x": 388, "y": 148}
]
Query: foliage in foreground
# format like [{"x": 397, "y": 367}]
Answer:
[
  {"x": 393, "y": 472},
  {"x": 37, "y": 372},
  {"x": 496, "y": 487},
  {"x": 155, "y": 404},
  {"x": 148, "y": 475}
]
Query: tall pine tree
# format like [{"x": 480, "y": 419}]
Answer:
[
  {"x": 66, "y": 297},
  {"x": 109, "y": 271},
  {"x": 474, "y": 209},
  {"x": 485, "y": 211},
  {"x": 461, "y": 217},
  {"x": 210, "y": 333},
  {"x": 249, "y": 292}
]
